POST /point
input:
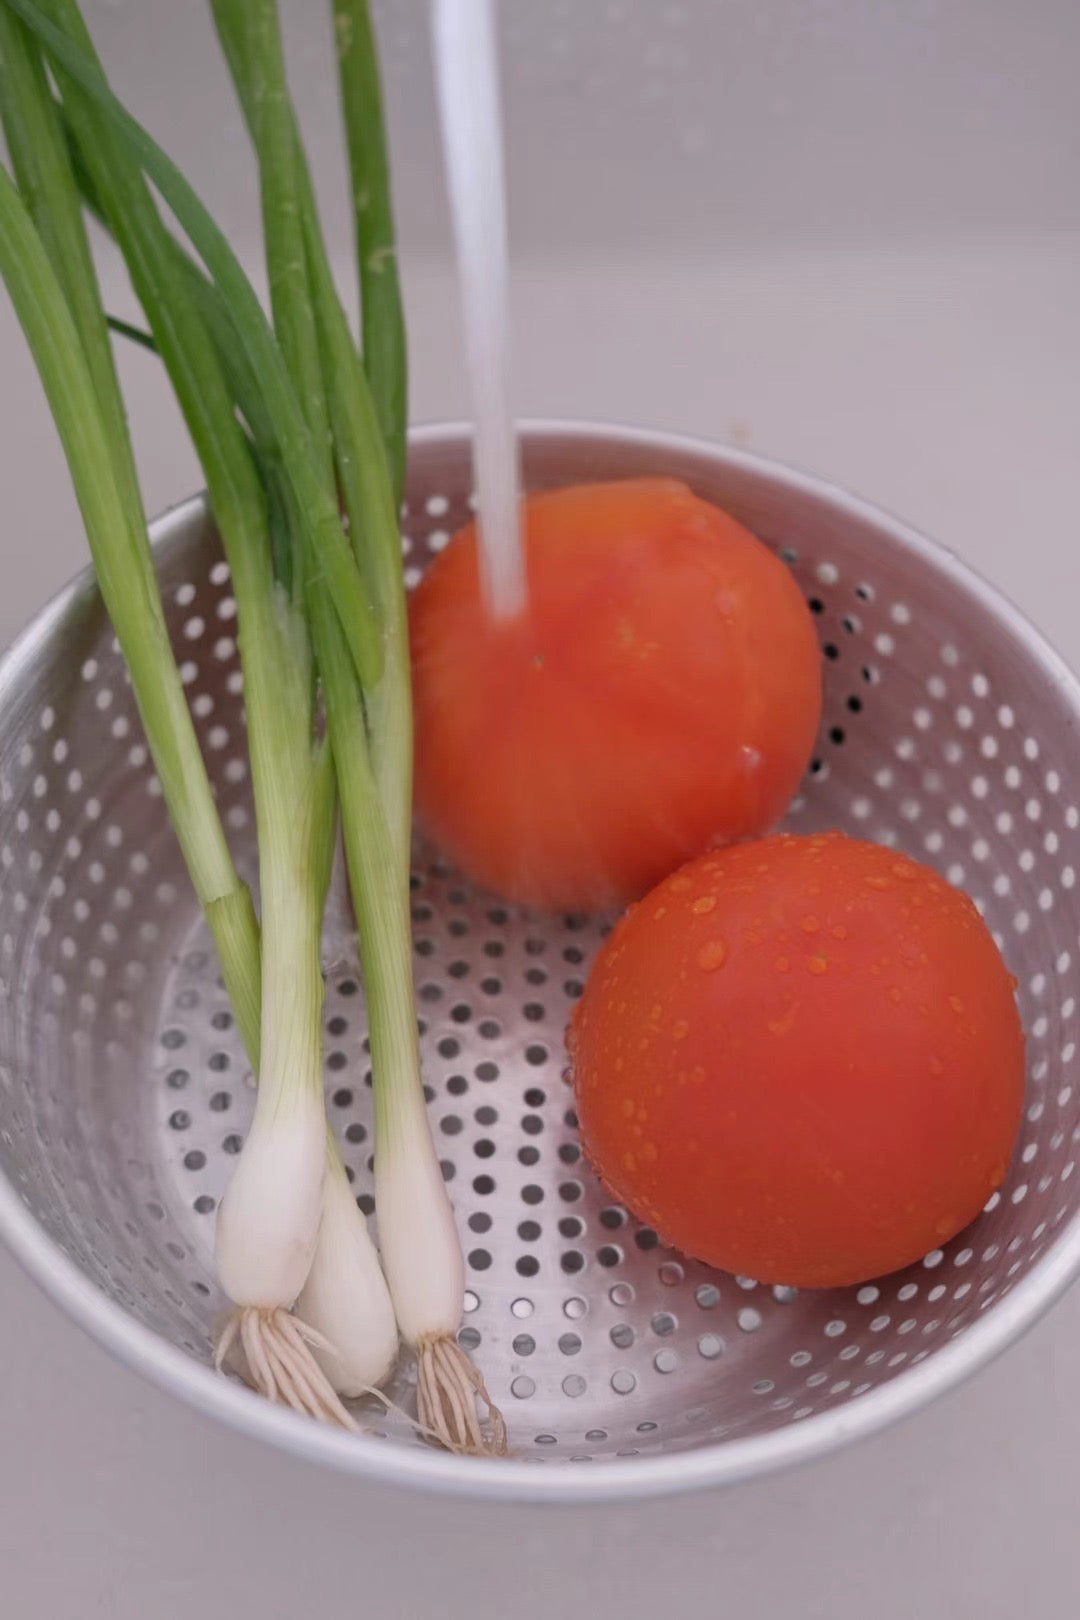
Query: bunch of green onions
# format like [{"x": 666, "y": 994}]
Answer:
[{"x": 291, "y": 425}]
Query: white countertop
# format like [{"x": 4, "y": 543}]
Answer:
[{"x": 936, "y": 372}]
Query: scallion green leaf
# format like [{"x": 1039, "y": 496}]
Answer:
[
  {"x": 70, "y": 56},
  {"x": 381, "y": 309}
]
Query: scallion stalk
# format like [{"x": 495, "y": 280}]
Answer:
[
  {"x": 352, "y": 1315},
  {"x": 288, "y": 396},
  {"x": 382, "y": 315},
  {"x": 418, "y": 1237},
  {"x": 345, "y": 1297},
  {"x": 370, "y": 732},
  {"x": 117, "y": 539},
  {"x": 270, "y": 1221},
  {"x": 136, "y": 614},
  {"x": 106, "y": 483}
]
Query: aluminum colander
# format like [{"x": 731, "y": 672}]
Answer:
[{"x": 950, "y": 730}]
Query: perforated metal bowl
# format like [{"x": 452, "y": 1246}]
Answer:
[{"x": 950, "y": 730}]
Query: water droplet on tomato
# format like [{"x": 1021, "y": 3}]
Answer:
[
  {"x": 782, "y": 1025},
  {"x": 874, "y": 881},
  {"x": 703, "y": 905},
  {"x": 956, "y": 1004},
  {"x": 818, "y": 965},
  {"x": 712, "y": 955},
  {"x": 680, "y": 1029},
  {"x": 810, "y": 925}
]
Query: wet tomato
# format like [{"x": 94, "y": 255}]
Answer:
[
  {"x": 659, "y": 695},
  {"x": 801, "y": 1059}
]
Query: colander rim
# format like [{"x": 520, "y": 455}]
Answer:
[{"x": 717, "y": 1463}]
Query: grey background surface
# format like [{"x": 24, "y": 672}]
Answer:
[{"x": 847, "y": 233}]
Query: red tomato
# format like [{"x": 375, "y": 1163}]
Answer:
[
  {"x": 801, "y": 1060},
  {"x": 659, "y": 695}
]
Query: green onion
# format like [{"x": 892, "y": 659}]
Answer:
[
  {"x": 345, "y": 1298},
  {"x": 314, "y": 510},
  {"x": 281, "y": 424},
  {"x": 370, "y": 732},
  {"x": 89, "y": 416},
  {"x": 381, "y": 311},
  {"x": 270, "y": 1221},
  {"x": 39, "y": 156},
  {"x": 134, "y": 334}
]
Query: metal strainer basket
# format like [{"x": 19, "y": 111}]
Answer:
[{"x": 950, "y": 730}]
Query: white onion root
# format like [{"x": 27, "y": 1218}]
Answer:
[
  {"x": 448, "y": 1387},
  {"x": 278, "y": 1361}
]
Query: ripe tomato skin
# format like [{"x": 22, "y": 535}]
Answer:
[
  {"x": 660, "y": 693},
  {"x": 801, "y": 1060}
]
